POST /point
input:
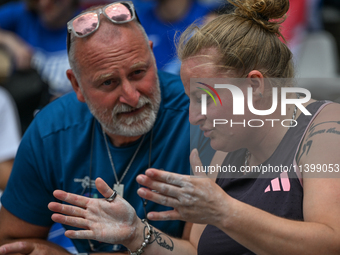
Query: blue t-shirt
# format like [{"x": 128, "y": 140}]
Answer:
[
  {"x": 55, "y": 153},
  {"x": 162, "y": 34},
  {"x": 49, "y": 45}
]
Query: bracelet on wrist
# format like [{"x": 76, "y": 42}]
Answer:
[{"x": 146, "y": 240}]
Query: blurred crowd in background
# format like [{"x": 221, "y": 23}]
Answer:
[{"x": 33, "y": 56}]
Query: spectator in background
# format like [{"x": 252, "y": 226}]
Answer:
[
  {"x": 315, "y": 22},
  {"x": 304, "y": 16},
  {"x": 34, "y": 31},
  {"x": 6, "y": 1},
  {"x": 295, "y": 27},
  {"x": 334, "y": 3},
  {"x": 161, "y": 24},
  {"x": 9, "y": 136},
  {"x": 219, "y": 10}
]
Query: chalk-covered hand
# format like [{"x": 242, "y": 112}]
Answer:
[
  {"x": 195, "y": 199},
  {"x": 113, "y": 222}
]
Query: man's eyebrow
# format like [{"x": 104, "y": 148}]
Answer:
[
  {"x": 134, "y": 66},
  {"x": 139, "y": 65},
  {"x": 104, "y": 76}
]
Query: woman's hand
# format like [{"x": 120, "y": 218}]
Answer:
[
  {"x": 113, "y": 222},
  {"x": 194, "y": 198}
]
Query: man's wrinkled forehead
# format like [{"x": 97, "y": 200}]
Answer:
[{"x": 92, "y": 8}]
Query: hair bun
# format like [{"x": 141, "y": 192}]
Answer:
[
  {"x": 268, "y": 13},
  {"x": 259, "y": 7}
]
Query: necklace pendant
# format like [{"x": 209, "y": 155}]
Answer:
[{"x": 119, "y": 188}]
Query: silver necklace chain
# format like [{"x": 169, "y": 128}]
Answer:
[
  {"x": 111, "y": 161},
  {"x": 144, "y": 201},
  {"x": 247, "y": 156}
]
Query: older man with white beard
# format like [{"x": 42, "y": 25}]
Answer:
[{"x": 123, "y": 118}]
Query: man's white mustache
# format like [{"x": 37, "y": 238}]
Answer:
[{"x": 123, "y": 108}]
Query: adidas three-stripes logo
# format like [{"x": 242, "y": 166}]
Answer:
[{"x": 275, "y": 183}]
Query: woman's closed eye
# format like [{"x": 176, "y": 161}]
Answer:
[{"x": 199, "y": 100}]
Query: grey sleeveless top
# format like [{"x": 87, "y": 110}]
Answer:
[{"x": 278, "y": 193}]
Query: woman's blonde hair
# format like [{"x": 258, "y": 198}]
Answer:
[{"x": 247, "y": 39}]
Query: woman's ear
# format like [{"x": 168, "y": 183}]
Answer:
[
  {"x": 256, "y": 81},
  {"x": 75, "y": 85}
]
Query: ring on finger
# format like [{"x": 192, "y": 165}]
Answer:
[{"x": 112, "y": 197}]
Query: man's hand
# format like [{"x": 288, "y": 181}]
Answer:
[
  {"x": 113, "y": 222},
  {"x": 24, "y": 247}
]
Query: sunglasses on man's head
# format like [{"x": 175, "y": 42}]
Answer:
[{"x": 88, "y": 22}]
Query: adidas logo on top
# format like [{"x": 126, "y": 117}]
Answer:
[{"x": 275, "y": 183}]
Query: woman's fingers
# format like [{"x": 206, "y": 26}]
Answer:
[
  {"x": 157, "y": 198},
  {"x": 161, "y": 187},
  {"x": 196, "y": 164},
  {"x": 70, "y": 198},
  {"x": 167, "y": 177}
]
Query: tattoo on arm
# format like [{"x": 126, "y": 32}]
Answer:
[
  {"x": 333, "y": 130},
  {"x": 313, "y": 132},
  {"x": 161, "y": 239},
  {"x": 305, "y": 149}
]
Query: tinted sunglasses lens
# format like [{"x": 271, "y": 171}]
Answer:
[
  {"x": 85, "y": 24},
  {"x": 118, "y": 12}
]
